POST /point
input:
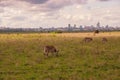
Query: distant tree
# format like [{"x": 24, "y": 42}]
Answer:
[{"x": 96, "y": 32}]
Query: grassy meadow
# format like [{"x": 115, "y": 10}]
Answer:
[{"x": 21, "y": 57}]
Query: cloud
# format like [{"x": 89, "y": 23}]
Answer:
[
  {"x": 1, "y": 10},
  {"x": 19, "y": 18},
  {"x": 0, "y": 21},
  {"x": 35, "y": 1},
  {"x": 104, "y": 0},
  {"x": 41, "y": 5},
  {"x": 57, "y": 12}
]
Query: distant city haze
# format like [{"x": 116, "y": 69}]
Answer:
[{"x": 58, "y": 13}]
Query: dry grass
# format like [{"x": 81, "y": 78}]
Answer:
[
  {"x": 105, "y": 34},
  {"x": 21, "y": 57}
]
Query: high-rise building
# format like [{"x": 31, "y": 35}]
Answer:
[
  {"x": 69, "y": 25},
  {"x": 98, "y": 24},
  {"x": 74, "y": 25},
  {"x": 81, "y": 27}
]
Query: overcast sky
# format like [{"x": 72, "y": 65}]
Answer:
[{"x": 58, "y": 13}]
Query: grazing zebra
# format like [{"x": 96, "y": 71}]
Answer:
[
  {"x": 50, "y": 49},
  {"x": 104, "y": 39},
  {"x": 87, "y": 39}
]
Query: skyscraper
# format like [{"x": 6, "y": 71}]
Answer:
[{"x": 98, "y": 25}]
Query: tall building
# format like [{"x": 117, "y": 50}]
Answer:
[
  {"x": 74, "y": 25},
  {"x": 81, "y": 27},
  {"x": 107, "y": 27},
  {"x": 69, "y": 25},
  {"x": 98, "y": 25}
]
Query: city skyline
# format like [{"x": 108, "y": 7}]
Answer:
[{"x": 58, "y": 13}]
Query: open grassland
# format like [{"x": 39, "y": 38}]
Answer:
[{"x": 21, "y": 57}]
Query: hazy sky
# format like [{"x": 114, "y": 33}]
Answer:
[{"x": 58, "y": 13}]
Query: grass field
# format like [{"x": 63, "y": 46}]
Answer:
[{"x": 21, "y": 57}]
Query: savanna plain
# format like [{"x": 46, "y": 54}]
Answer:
[{"x": 21, "y": 56}]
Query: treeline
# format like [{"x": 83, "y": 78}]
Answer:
[{"x": 55, "y": 31}]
